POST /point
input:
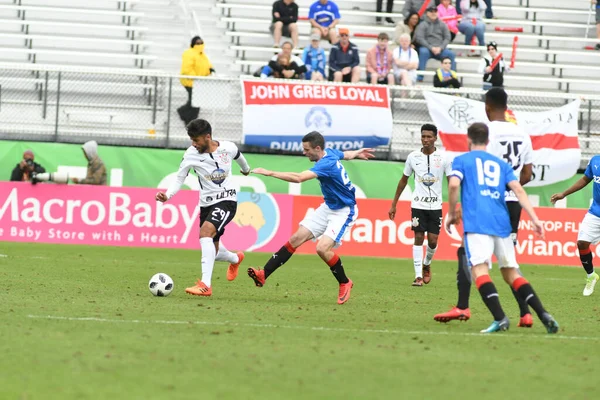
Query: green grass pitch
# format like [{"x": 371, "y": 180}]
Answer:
[{"x": 79, "y": 323}]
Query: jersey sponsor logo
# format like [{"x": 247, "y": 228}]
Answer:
[
  {"x": 226, "y": 193},
  {"x": 218, "y": 176},
  {"x": 427, "y": 199},
  {"x": 428, "y": 179},
  {"x": 494, "y": 194}
]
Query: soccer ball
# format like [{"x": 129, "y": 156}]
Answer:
[{"x": 161, "y": 285}]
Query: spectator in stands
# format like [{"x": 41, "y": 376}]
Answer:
[
  {"x": 445, "y": 77},
  {"x": 297, "y": 67},
  {"x": 597, "y": 47},
  {"x": 25, "y": 168},
  {"x": 96, "y": 171},
  {"x": 283, "y": 68},
  {"x": 388, "y": 9},
  {"x": 432, "y": 36},
  {"x": 492, "y": 77},
  {"x": 413, "y": 7},
  {"x": 285, "y": 16},
  {"x": 344, "y": 62},
  {"x": 447, "y": 13},
  {"x": 379, "y": 62},
  {"x": 314, "y": 59},
  {"x": 473, "y": 10},
  {"x": 324, "y": 15},
  {"x": 194, "y": 63},
  {"x": 406, "y": 61},
  {"x": 409, "y": 25}
]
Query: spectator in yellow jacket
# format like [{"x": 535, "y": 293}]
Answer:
[{"x": 194, "y": 63}]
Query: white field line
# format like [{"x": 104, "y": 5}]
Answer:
[{"x": 310, "y": 328}]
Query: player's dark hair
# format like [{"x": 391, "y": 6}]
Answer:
[
  {"x": 478, "y": 133},
  {"x": 496, "y": 97},
  {"x": 315, "y": 139},
  {"x": 429, "y": 127},
  {"x": 198, "y": 127}
]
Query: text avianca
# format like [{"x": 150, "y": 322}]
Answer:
[{"x": 317, "y": 92}]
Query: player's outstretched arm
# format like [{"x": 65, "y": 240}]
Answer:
[
  {"x": 176, "y": 185},
  {"x": 524, "y": 201},
  {"x": 295, "y": 177},
  {"x": 363, "y": 154},
  {"x": 580, "y": 184},
  {"x": 244, "y": 166},
  {"x": 453, "y": 189},
  {"x": 399, "y": 189}
]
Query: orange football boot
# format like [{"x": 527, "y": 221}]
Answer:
[
  {"x": 526, "y": 321},
  {"x": 200, "y": 289},
  {"x": 426, "y": 274},
  {"x": 232, "y": 271},
  {"x": 257, "y": 275},
  {"x": 345, "y": 289},
  {"x": 455, "y": 313}
]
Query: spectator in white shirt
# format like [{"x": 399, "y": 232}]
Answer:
[{"x": 406, "y": 61}]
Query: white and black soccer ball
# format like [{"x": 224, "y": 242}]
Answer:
[{"x": 161, "y": 285}]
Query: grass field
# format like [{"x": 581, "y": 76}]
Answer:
[{"x": 79, "y": 323}]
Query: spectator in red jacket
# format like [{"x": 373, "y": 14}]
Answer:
[{"x": 379, "y": 62}]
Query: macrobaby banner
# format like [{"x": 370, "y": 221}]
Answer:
[
  {"x": 554, "y": 134},
  {"x": 278, "y": 114}
]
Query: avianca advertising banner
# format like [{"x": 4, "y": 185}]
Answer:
[
  {"x": 375, "y": 235},
  {"x": 109, "y": 216},
  {"x": 554, "y": 134},
  {"x": 278, "y": 114}
]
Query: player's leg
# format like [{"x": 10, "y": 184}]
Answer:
[
  {"x": 589, "y": 232},
  {"x": 434, "y": 223},
  {"x": 339, "y": 222},
  {"x": 479, "y": 250},
  {"x": 234, "y": 259},
  {"x": 514, "y": 212},
  {"x": 463, "y": 283},
  {"x": 213, "y": 220},
  {"x": 312, "y": 226},
  {"x": 418, "y": 226},
  {"x": 505, "y": 253}
]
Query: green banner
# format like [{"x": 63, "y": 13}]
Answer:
[{"x": 143, "y": 167}]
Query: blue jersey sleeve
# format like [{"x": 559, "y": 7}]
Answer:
[
  {"x": 337, "y": 153},
  {"x": 311, "y": 11},
  {"x": 336, "y": 11},
  {"x": 588, "y": 171},
  {"x": 458, "y": 169}
]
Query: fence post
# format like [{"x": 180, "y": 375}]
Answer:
[
  {"x": 45, "y": 108},
  {"x": 589, "y": 121},
  {"x": 57, "y": 106},
  {"x": 155, "y": 100},
  {"x": 167, "y": 144}
]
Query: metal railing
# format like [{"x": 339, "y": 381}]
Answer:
[{"x": 140, "y": 108}]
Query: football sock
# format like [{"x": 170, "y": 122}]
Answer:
[
  {"x": 463, "y": 280},
  {"x": 490, "y": 297},
  {"x": 418, "y": 260},
  {"x": 208, "y": 259},
  {"x": 429, "y": 255},
  {"x": 524, "y": 289},
  {"x": 586, "y": 260},
  {"x": 523, "y": 307},
  {"x": 278, "y": 259},
  {"x": 337, "y": 269},
  {"x": 226, "y": 255}
]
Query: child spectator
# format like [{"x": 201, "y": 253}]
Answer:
[
  {"x": 324, "y": 15},
  {"x": 379, "y": 62},
  {"x": 314, "y": 59},
  {"x": 472, "y": 10},
  {"x": 281, "y": 68},
  {"x": 445, "y": 13},
  {"x": 295, "y": 61},
  {"x": 445, "y": 77},
  {"x": 492, "y": 77}
]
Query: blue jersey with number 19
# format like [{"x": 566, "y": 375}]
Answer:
[
  {"x": 483, "y": 180},
  {"x": 593, "y": 174},
  {"x": 336, "y": 187}
]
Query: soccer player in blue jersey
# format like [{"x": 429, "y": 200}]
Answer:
[
  {"x": 589, "y": 230},
  {"x": 482, "y": 179},
  {"x": 331, "y": 220}
]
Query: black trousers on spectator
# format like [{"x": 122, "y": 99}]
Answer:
[
  {"x": 389, "y": 7},
  {"x": 186, "y": 112}
]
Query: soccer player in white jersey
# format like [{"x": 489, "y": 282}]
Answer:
[
  {"x": 428, "y": 166},
  {"x": 211, "y": 160},
  {"x": 589, "y": 230},
  {"x": 330, "y": 221},
  {"x": 482, "y": 179},
  {"x": 510, "y": 143}
]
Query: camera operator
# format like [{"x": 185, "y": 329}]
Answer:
[{"x": 24, "y": 170}]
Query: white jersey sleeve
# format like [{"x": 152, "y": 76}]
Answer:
[
  {"x": 447, "y": 165},
  {"x": 408, "y": 167},
  {"x": 527, "y": 155},
  {"x": 184, "y": 170}
]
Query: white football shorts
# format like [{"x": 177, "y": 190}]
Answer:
[
  {"x": 480, "y": 249},
  {"x": 589, "y": 230},
  {"x": 331, "y": 223}
]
